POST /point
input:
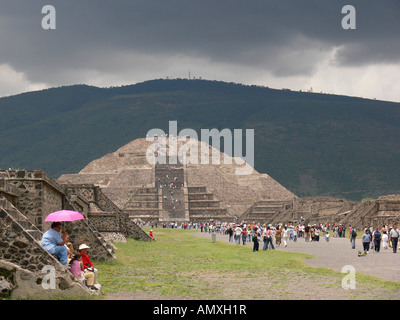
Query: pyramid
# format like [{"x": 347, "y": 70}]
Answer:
[{"x": 183, "y": 185}]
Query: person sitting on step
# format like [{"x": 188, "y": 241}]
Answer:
[
  {"x": 54, "y": 244},
  {"x": 77, "y": 270},
  {"x": 87, "y": 264}
]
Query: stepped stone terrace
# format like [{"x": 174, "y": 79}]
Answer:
[
  {"x": 175, "y": 191},
  {"x": 26, "y": 198},
  {"x": 203, "y": 192}
]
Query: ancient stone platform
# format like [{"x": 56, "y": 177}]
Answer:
[{"x": 201, "y": 190}]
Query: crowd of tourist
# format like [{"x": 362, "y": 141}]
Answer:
[
  {"x": 169, "y": 184},
  {"x": 272, "y": 236},
  {"x": 375, "y": 238}
]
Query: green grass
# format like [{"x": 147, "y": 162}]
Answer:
[{"x": 182, "y": 266}]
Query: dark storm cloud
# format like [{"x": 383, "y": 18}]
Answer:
[{"x": 286, "y": 37}]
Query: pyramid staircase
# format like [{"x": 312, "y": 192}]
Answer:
[
  {"x": 26, "y": 225},
  {"x": 266, "y": 212},
  {"x": 129, "y": 227},
  {"x": 203, "y": 205},
  {"x": 357, "y": 216},
  {"x": 170, "y": 183},
  {"x": 106, "y": 244},
  {"x": 143, "y": 204}
]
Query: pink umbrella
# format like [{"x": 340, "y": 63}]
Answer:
[{"x": 64, "y": 215}]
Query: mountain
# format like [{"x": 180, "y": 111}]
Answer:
[{"x": 313, "y": 144}]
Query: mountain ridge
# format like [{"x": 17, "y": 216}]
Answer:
[{"x": 314, "y": 144}]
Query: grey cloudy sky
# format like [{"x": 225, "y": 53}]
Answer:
[{"x": 295, "y": 44}]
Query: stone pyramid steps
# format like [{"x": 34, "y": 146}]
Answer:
[
  {"x": 203, "y": 205},
  {"x": 267, "y": 211},
  {"x": 107, "y": 246},
  {"x": 356, "y": 217},
  {"x": 19, "y": 224},
  {"x": 143, "y": 203},
  {"x": 170, "y": 181},
  {"x": 201, "y": 196}
]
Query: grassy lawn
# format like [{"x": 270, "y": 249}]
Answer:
[{"x": 182, "y": 266}]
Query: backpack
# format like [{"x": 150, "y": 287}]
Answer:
[{"x": 353, "y": 233}]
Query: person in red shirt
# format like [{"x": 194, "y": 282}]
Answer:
[{"x": 87, "y": 264}]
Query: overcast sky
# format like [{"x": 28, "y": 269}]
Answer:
[{"x": 296, "y": 44}]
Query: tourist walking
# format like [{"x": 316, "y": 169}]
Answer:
[
  {"x": 377, "y": 239},
  {"x": 238, "y": 234},
  {"x": 255, "y": 241},
  {"x": 278, "y": 236},
  {"x": 316, "y": 234},
  {"x": 394, "y": 237},
  {"x": 244, "y": 236},
  {"x": 366, "y": 240},
  {"x": 268, "y": 239},
  {"x": 385, "y": 238},
  {"x": 353, "y": 237},
  {"x": 264, "y": 237},
  {"x": 230, "y": 233},
  {"x": 307, "y": 231},
  {"x": 327, "y": 236},
  {"x": 285, "y": 236}
]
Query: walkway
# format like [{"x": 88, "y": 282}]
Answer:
[{"x": 336, "y": 254}]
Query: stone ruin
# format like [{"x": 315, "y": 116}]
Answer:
[
  {"x": 315, "y": 210},
  {"x": 207, "y": 192},
  {"x": 202, "y": 192},
  {"x": 26, "y": 198},
  {"x": 123, "y": 187}
]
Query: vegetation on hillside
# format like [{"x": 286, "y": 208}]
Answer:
[{"x": 313, "y": 144}]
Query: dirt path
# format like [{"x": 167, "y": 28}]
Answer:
[{"x": 336, "y": 254}]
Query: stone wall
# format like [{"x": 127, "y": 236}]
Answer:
[
  {"x": 37, "y": 194},
  {"x": 103, "y": 214},
  {"x": 126, "y": 225},
  {"x": 105, "y": 222},
  {"x": 81, "y": 232},
  {"x": 52, "y": 200},
  {"x": 22, "y": 263}
]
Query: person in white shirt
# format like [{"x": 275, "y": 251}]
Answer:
[
  {"x": 285, "y": 236},
  {"x": 327, "y": 236},
  {"x": 394, "y": 237},
  {"x": 238, "y": 234}
]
